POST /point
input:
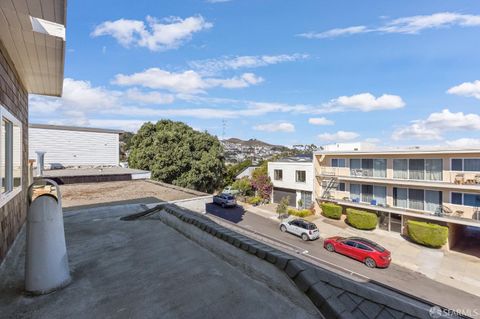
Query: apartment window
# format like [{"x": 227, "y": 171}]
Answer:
[
  {"x": 278, "y": 174},
  {"x": 433, "y": 201},
  {"x": 416, "y": 169},
  {"x": 471, "y": 164},
  {"x": 10, "y": 152},
  {"x": 471, "y": 200},
  {"x": 467, "y": 164},
  {"x": 400, "y": 168},
  {"x": 300, "y": 176},
  {"x": 457, "y": 198},
  {"x": 416, "y": 199},
  {"x": 355, "y": 167},
  {"x": 367, "y": 193},
  {"x": 380, "y": 167},
  {"x": 380, "y": 194},
  {"x": 355, "y": 190},
  {"x": 367, "y": 167},
  {"x": 434, "y": 169},
  {"x": 338, "y": 162},
  {"x": 457, "y": 164},
  {"x": 400, "y": 197},
  {"x": 341, "y": 187}
]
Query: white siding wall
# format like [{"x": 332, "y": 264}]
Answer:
[
  {"x": 74, "y": 148},
  {"x": 289, "y": 175}
]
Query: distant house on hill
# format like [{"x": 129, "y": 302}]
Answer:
[{"x": 247, "y": 172}]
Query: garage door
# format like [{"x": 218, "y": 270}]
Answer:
[{"x": 279, "y": 193}]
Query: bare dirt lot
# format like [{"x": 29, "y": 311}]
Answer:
[{"x": 76, "y": 196}]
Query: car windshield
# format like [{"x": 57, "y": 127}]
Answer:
[{"x": 229, "y": 197}]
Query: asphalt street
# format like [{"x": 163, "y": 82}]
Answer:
[{"x": 395, "y": 276}]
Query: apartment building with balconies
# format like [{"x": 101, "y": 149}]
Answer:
[{"x": 439, "y": 186}]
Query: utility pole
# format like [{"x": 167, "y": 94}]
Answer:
[{"x": 224, "y": 128}]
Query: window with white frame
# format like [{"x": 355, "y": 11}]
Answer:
[
  {"x": 10, "y": 153},
  {"x": 418, "y": 199},
  {"x": 300, "y": 176},
  {"x": 466, "y": 164}
]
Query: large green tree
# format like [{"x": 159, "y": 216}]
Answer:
[{"x": 177, "y": 154}]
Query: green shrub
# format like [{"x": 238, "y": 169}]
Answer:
[
  {"x": 428, "y": 234},
  {"x": 361, "y": 219},
  {"x": 255, "y": 200},
  {"x": 331, "y": 210},
  {"x": 282, "y": 207},
  {"x": 299, "y": 212}
]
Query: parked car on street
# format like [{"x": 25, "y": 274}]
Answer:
[
  {"x": 229, "y": 190},
  {"x": 364, "y": 250},
  {"x": 225, "y": 200},
  {"x": 302, "y": 228}
]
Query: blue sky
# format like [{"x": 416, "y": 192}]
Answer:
[{"x": 287, "y": 72}]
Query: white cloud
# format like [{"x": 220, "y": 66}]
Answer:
[
  {"x": 469, "y": 89},
  {"x": 245, "y": 80},
  {"x": 183, "y": 82},
  {"x": 212, "y": 66},
  {"x": 275, "y": 127},
  {"x": 156, "y": 35},
  {"x": 464, "y": 143},
  {"x": 335, "y": 32},
  {"x": 340, "y": 136},
  {"x": 405, "y": 25},
  {"x": 320, "y": 121},
  {"x": 150, "y": 97},
  {"x": 438, "y": 123},
  {"x": 364, "y": 102},
  {"x": 415, "y": 24}
]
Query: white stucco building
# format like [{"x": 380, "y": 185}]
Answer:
[
  {"x": 68, "y": 146},
  {"x": 292, "y": 177}
]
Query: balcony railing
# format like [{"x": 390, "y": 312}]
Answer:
[{"x": 469, "y": 179}]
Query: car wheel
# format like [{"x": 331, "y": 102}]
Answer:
[
  {"x": 223, "y": 205},
  {"x": 370, "y": 262},
  {"x": 283, "y": 228},
  {"x": 304, "y": 237},
  {"x": 330, "y": 247}
]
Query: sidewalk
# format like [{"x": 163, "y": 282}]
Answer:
[{"x": 451, "y": 268}]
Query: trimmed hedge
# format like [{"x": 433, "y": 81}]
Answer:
[
  {"x": 361, "y": 219},
  {"x": 428, "y": 234},
  {"x": 299, "y": 213},
  {"x": 331, "y": 210}
]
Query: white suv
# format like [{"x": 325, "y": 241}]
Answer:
[{"x": 302, "y": 228}]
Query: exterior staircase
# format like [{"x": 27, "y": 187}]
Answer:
[{"x": 328, "y": 184}]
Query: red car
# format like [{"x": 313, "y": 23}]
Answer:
[{"x": 364, "y": 250}]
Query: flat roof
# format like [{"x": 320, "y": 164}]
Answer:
[
  {"x": 295, "y": 159},
  {"x": 402, "y": 151},
  {"x": 75, "y": 128},
  {"x": 33, "y": 35},
  {"x": 145, "y": 269}
]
